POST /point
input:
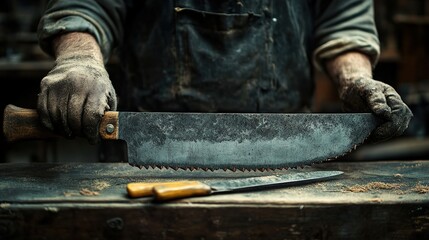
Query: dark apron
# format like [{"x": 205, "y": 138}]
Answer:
[{"x": 219, "y": 56}]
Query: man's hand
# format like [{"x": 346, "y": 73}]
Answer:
[
  {"x": 368, "y": 95},
  {"x": 357, "y": 90},
  {"x": 77, "y": 91}
]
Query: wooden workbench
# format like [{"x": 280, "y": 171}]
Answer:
[{"x": 372, "y": 200}]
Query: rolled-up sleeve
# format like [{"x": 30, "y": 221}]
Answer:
[
  {"x": 102, "y": 18},
  {"x": 343, "y": 26}
]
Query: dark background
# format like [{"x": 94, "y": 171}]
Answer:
[{"x": 403, "y": 27}]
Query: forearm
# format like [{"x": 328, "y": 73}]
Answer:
[
  {"x": 77, "y": 44},
  {"x": 104, "y": 20},
  {"x": 348, "y": 67}
]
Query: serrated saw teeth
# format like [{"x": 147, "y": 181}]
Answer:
[{"x": 212, "y": 169}]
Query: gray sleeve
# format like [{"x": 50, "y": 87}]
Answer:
[
  {"x": 102, "y": 18},
  {"x": 345, "y": 25}
]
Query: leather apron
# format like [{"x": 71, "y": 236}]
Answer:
[{"x": 219, "y": 56}]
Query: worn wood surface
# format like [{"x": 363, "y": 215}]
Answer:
[{"x": 372, "y": 200}]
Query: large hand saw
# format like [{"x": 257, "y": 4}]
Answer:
[{"x": 244, "y": 141}]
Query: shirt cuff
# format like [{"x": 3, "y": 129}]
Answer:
[
  {"x": 338, "y": 46},
  {"x": 71, "y": 21}
]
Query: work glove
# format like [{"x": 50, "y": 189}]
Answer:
[
  {"x": 74, "y": 96},
  {"x": 367, "y": 95}
]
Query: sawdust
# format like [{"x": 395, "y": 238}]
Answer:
[
  {"x": 400, "y": 192},
  {"x": 417, "y": 165},
  {"x": 321, "y": 186},
  {"x": 70, "y": 194},
  {"x": 100, "y": 185},
  {"x": 63, "y": 168},
  {"x": 376, "y": 200},
  {"x": 421, "y": 189},
  {"x": 4, "y": 205},
  {"x": 372, "y": 186},
  {"x": 87, "y": 192},
  {"x": 93, "y": 190}
]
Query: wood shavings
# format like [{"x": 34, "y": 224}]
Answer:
[
  {"x": 422, "y": 189},
  {"x": 87, "y": 192},
  {"x": 372, "y": 186}
]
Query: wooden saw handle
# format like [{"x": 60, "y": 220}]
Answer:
[{"x": 23, "y": 123}]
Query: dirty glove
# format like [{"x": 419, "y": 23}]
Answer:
[
  {"x": 74, "y": 96},
  {"x": 364, "y": 94}
]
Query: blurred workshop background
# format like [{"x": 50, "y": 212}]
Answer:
[{"x": 403, "y": 27}]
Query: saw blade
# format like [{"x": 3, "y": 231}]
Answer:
[{"x": 240, "y": 141}]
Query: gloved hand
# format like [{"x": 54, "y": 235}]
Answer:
[
  {"x": 74, "y": 96},
  {"x": 364, "y": 94}
]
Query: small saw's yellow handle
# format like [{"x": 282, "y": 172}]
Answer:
[
  {"x": 163, "y": 191},
  {"x": 144, "y": 189},
  {"x": 181, "y": 190}
]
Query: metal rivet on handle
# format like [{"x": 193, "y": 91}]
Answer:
[{"x": 110, "y": 128}]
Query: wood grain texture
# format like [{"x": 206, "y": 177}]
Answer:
[
  {"x": 44, "y": 201},
  {"x": 21, "y": 123}
]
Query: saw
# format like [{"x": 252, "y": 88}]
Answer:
[{"x": 244, "y": 141}]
